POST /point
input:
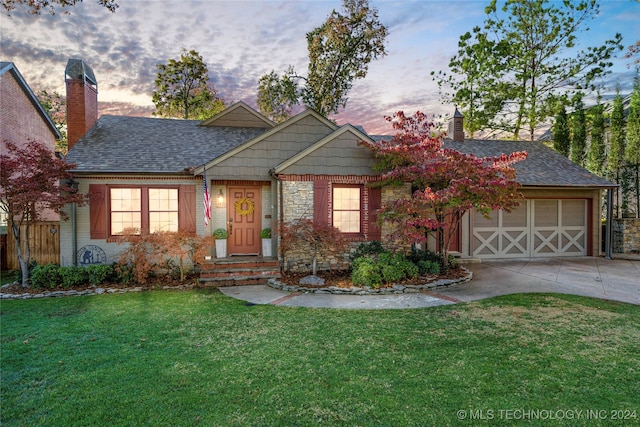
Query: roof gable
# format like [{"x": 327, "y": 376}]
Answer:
[
  {"x": 307, "y": 115},
  {"x": 239, "y": 115},
  {"x": 11, "y": 69},
  {"x": 336, "y": 154}
]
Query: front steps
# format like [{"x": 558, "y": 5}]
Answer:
[{"x": 239, "y": 271}]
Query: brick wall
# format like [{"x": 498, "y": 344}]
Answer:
[
  {"x": 82, "y": 109},
  {"x": 626, "y": 236},
  {"x": 20, "y": 120}
]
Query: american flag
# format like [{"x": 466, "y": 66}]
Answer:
[{"x": 206, "y": 200}]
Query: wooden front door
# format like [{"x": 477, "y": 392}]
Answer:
[{"x": 244, "y": 213}]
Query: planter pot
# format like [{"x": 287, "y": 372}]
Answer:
[
  {"x": 221, "y": 248},
  {"x": 266, "y": 247}
]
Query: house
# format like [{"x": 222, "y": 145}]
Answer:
[
  {"x": 148, "y": 173},
  {"x": 22, "y": 121}
]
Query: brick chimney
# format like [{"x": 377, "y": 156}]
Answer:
[
  {"x": 456, "y": 130},
  {"x": 82, "y": 99}
]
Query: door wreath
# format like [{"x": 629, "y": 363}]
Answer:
[{"x": 240, "y": 209}]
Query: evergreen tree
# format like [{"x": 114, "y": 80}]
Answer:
[
  {"x": 579, "y": 134},
  {"x": 632, "y": 151},
  {"x": 561, "y": 137},
  {"x": 596, "y": 157},
  {"x": 617, "y": 147}
]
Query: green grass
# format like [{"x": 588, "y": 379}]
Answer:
[{"x": 166, "y": 358}]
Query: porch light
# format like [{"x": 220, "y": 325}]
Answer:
[{"x": 220, "y": 200}]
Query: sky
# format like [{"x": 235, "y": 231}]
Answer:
[{"x": 242, "y": 40}]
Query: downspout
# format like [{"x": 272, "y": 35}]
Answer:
[
  {"x": 608, "y": 242},
  {"x": 279, "y": 215},
  {"x": 74, "y": 236}
]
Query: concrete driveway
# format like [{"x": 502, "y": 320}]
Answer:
[{"x": 617, "y": 279}]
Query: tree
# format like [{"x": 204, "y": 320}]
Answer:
[
  {"x": 35, "y": 7},
  {"x": 56, "y": 105},
  {"x": 183, "y": 89},
  {"x": 32, "y": 179},
  {"x": 615, "y": 159},
  {"x": 276, "y": 96},
  {"x": 632, "y": 150},
  {"x": 323, "y": 239},
  {"x": 445, "y": 183},
  {"x": 480, "y": 62},
  {"x": 596, "y": 157},
  {"x": 579, "y": 134},
  {"x": 540, "y": 62},
  {"x": 340, "y": 51},
  {"x": 561, "y": 133},
  {"x": 633, "y": 50}
]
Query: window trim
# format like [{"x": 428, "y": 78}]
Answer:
[
  {"x": 144, "y": 207},
  {"x": 361, "y": 209}
]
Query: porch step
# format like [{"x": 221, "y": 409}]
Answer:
[{"x": 239, "y": 271}]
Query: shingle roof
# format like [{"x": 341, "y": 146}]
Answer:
[
  {"x": 543, "y": 166},
  {"x": 122, "y": 144}
]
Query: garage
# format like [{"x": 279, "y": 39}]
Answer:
[{"x": 535, "y": 229}]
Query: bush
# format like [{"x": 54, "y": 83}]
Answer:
[
  {"x": 428, "y": 267},
  {"x": 45, "y": 276},
  {"x": 372, "y": 270},
  {"x": 73, "y": 276},
  {"x": 418, "y": 255},
  {"x": 368, "y": 248},
  {"x": 366, "y": 273},
  {"x": 265, "y": 233},
  {"x": 99, "y": 273}
]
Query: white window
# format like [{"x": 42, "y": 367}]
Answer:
[
  {"x": 347, "y": 208},
  {"x": 126, "y": 210}
]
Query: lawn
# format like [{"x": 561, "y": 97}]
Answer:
[{"x": 184, "y": 358}]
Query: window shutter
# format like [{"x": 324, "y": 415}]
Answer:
[
  {"x": 98, "y": 211},
  {"x": 320, "y": 202},
  {"x": 375, "y": 203},
  {"x": 186, "y": 208}
]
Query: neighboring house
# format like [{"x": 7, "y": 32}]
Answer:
[
  {"x": 148, "y": 173},
  {"x": 22, "y": 121}
]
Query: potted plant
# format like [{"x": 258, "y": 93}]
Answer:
[
  {"x": 266, "y": 241},
  {"x": 220, "y": 236}
]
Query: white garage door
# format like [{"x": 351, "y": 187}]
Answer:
[{"x": 536, "y": 228}]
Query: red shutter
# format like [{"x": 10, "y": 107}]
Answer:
[
  {"x": 187, "y": 208},
  {"x": 320, "y": 202},
  {"x": 98, "y": 211},
  {"x": 375, "y": 203}
]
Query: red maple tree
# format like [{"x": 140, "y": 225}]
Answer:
[
  {"x": 445, "y": 183},
  {"x": 32, "y": 180}
]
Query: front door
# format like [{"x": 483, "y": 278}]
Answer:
[{"x": 244, "y": 220}]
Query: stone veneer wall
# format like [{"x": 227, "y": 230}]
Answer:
[
  {"x": 626, "y": 236},
  {"x": 299, "y": 259}
]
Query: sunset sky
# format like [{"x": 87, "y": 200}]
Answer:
[{"x": 242, "y": 40}]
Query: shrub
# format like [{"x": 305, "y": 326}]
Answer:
[
  {"x": 428, "y": 267},
  {"x": 45, "y": 276},
  {"x": 265, "y": 233},
  {"x": 220, "y": 233},
  {"x": 366, "y": 273},
  {"x": 99, "y": 273},
  {"x": 372, "y": 270},
  {"x": 73, "y": 276},
  {"x": 368, "y": 248},
  {"x": 418, "y": 255}
]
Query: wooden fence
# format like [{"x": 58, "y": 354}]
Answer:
[{"x": 44, "y": 242}]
